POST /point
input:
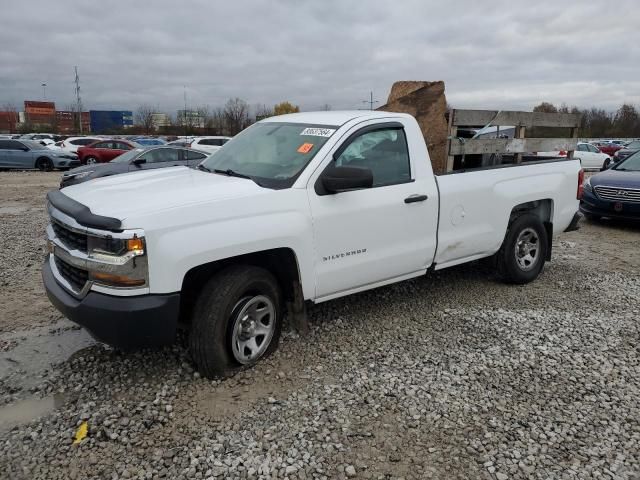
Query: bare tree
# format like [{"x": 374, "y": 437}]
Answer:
[
  {"x": 203, "y": 119},
  {"x": 218, "y": 121},
  {"x": 144, "y": 117},
  {"x": 12, "y": 118},
  {"x": 261, "y": 111},
  {"x": 236, "y": 115}
]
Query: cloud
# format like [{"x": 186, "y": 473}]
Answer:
[{"x": 499, "y": 54}]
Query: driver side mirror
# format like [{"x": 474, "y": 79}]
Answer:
[
  {"x": 341, "y": 179},
  {"x": 139, "y": 161}
]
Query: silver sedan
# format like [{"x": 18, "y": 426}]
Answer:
[{"x": 26, "y": 154}]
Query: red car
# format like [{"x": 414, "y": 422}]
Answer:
[
  {"x": 608, "y": 148},
  {"x": 104, "y": 151}
]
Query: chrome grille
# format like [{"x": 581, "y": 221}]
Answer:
[
  {"x": 76, "y": 277},
  {"x": 618, "y": 194},
  {"x": 72, "y": 239}
]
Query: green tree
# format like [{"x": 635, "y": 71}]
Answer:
[
  {"x": 626, "y": 122},
  {"x": 545, "y": 107},
  {"x": 283, "y": 108}
]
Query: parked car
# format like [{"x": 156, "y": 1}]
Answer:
[
  {"x": 209, "y": 144},
  {"x": 628, "y": 150},
  {"x": 149, "y": 142},
  {"x": 47, "y": 142},
  {"x": 25, "y": 154},
  {"x": 590, "y": 157},
  {"x": 301, "y": 207},
  {"x": 37, "y": 136},
  {"x": 71, "y": 144},
  {"x": 607, "y": 147},
  {"x": 180, "y": 143},
  {"x": 104, "y": 151},
  {"x": 136, "y": 160},
  {"x": 614, "y": 192}
]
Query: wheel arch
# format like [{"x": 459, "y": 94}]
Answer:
[
  {"x": 282, "y": 263},
  {"x": 543, "y": 209}
]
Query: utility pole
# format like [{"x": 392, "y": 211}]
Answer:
[
  {"x": 371, "y": 101},
  {"x": 44, "y": 91},
  {"x": 184, "y": 113},
  {"x": 78, "y": 102}
]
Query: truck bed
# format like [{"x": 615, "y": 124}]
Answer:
[{"x": 476, "y": 205}]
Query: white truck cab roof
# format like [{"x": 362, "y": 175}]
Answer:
[{"x": 335, "y": 118}]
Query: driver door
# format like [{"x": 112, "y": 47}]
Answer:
[
  {"x": 17, "y": 155},
  {"x": 373, "y": 235}
]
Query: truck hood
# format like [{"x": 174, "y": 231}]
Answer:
[{"x": 139, "y": 193}]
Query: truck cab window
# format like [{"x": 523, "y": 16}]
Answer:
[{"x": 384, "y": 152}]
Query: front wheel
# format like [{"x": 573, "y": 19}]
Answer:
[
  {"x": 91, "y": 160},
  {"x": 524, "y": 250},
  {"x": 236, "y": 321},
  {"x": 44, "y": 164}
]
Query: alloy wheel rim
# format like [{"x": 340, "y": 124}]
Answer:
[
  {"x": 527, "y": 249},
  {"x": 253, "y": 328}
]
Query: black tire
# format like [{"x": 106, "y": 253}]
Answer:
[
  {"x": 90, "y": 160},
  {"x": 44, "y": 164},
  {"x": 511, "y": 261},
  {"x": 215, "y": 315}
]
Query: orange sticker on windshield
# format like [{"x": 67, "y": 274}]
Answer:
[{"x": 305, "y": 148}]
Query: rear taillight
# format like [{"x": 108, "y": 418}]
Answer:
[
  {"x": 562, "y": 153},
  {"x": 580, "y": 185}
]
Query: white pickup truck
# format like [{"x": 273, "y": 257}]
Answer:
[{"x": 302, "y": 207}]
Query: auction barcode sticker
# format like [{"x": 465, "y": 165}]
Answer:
[{"x": 318, "y": 132}]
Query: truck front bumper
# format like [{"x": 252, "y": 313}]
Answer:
[{"x": 123, "y": 322}]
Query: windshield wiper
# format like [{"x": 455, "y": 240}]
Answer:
[
  {"x": 203, "y": 168},
  {"x": 231, "y": 173}
]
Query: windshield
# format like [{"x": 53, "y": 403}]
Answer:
[
  {"x": 272, "y": 154},
  {"x": 34, "y": 145},
  {"x": 631, "y": 163},
  {"x": 128, "y": 156}
]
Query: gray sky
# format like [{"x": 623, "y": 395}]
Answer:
[{"x": 497, "y": 54}]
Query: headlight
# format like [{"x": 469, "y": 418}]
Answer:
[
  {"x": 127, "y": 264},
  {"x": 82, "y": 174},
  {"x": 110, "y": 249},
  {"x": 68, "y": 176},
  {"x": 587, "y": 185}
]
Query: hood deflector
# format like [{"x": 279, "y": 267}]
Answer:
[{"x": 81, "y": 213}]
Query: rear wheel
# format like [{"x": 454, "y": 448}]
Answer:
[
  {"x": 91, "y": 160},
  {"x": 236, "y": 321},
  {"x": 44, "y": 164},
  {"x": 524, "y": 250}
]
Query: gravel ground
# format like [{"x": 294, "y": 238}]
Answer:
[{"x": 454, "y": 375}]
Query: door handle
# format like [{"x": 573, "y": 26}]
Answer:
[{"x": 415, "y": 198}]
